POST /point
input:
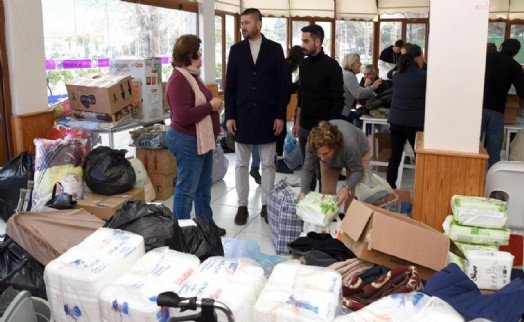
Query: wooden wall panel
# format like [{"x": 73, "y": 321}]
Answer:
[
  {"x": 27, "y": 127},
  {"x": 441, "y": 174},
  {"x": 290, "y": 113}
]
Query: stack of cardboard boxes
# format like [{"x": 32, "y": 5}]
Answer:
[
  {"x": 105, "y": 99},
  {"x": 147, "y": 79},
  {"x": 160, "y": 165}
]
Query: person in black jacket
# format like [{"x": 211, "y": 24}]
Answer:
[
  {"x": 389, "y": 58},
  {"x": 321, "y": 88},
  {"x": 406, "y": 114},
  {"x": 256, "y": 97},
  {"x": 501, "y": 71}
]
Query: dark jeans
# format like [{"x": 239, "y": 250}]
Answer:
[
  {"x": 493, "y": 127},
  {"x": 302, "y": 141},
  {"x": 194, "y": 176},
  {"x": 399, "y": 135}
]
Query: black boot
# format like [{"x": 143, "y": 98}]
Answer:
[
  {"x": 281, "y": 167},
  {"x": 255, "y": 174}
]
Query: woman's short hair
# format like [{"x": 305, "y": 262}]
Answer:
[
  {"x": 186, "y": 48},
  {"x": 325, "y": 134},
  {"x": 349, "y": 59}
]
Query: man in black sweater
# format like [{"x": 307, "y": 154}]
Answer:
[
  {"x": 321, "y": 93},
  {"x": 501, "y": 72}
]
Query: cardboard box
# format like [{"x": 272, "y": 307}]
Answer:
[
  {"x": 389, "y": 239},
  {"x": 102, "y": 94},
  {"x": 164, "y": 185},
  {"x": 149, "y": 73},
  {"x": 383, "y": 156},
  {"x": 510, "y": 115},
  {"x": 157, "y": 161},
  {"x": 104, "y": 207}
]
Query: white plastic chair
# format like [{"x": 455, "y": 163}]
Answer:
[{"x": 508, "y": 177}]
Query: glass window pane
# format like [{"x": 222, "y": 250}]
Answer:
[
  {"x": 218, "y": 50},
  {"x": 276, "y": 30},
  {"x": 517, "y": 32},
  {"x": 416, "y": 34},
  {"x": 389, "y": 33},
  {"x": 496, "y": 32},
  {"x": 296, "y": 32},
  {"x": 354, "y": 37},
  {"x": 326, "y": 45},
  {"x": 81, "y": 36}
]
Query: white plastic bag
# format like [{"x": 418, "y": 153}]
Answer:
[{"x": 380, "y": 194}]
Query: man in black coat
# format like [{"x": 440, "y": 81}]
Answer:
[
  {"x": 321, "y": 93},
  {"x": 501, "y": 72},
  {"x": 255, "y": 106}
]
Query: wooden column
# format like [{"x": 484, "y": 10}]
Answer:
[
  {"x": 441, "y": 174},
  {"x": 27, "y": 127}
]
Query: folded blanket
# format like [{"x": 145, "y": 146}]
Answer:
[{"x": 358, "y": 294}]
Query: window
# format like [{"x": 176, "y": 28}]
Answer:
[
  {"x": 389, "y": 33},
  {"x": 218, "y": 51},
  {"x": 276, "y": 30},
  {"x": 416, "y": 34},
  {"x": 326, "y": 45},
  {"x": 296, "y": 29},
  {"x": 517, "y": 32},
  {"x": 81, "y": 36},
  {"x": 354, "y": 37},
  {"x": 496, "y": 31}
]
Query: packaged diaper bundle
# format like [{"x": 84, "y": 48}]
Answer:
[
  {"x": 479, "y": 211},
  {"x": 318, "y": 209},
  {"x": 474, "y": 234},
  {"x": 132, "y": 297},
  {"x": 74, "y": 280},
  {"x": 236, "y": 282},
  {"x": 465, "y": 248},
  {"x": 490, "y": 270},
  {"x": 300, "y": 293}
]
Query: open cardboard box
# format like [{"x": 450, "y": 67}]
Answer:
[{"x": 390, "y": 239}]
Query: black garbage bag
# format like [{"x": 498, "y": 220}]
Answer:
[
  {"x": 108, "y": 172},
  {"x": 13, "y": 177},
  {"x": 20, "y": 270},
  {"x": 155, "y": 223},
  {"x": 203, "y": 239}
]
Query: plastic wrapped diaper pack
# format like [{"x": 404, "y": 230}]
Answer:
[
  {"x": 490, "y": 270},
  {"x": 300, "y": 293},
  {"x": 476, "y": 235},
  {"x": 465, "y": 248},
  {"x": 317, "y": 209},
  {"x": 75, "y": 279},
  {"x": 236, "y": 282},
  {"x": 479, "y": 211},
  {"x": 132, "y": 297}
]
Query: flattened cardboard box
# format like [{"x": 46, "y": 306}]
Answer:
[
  {"x": 157, "y": 161},
  {"x": 104, "y": 207},
  {"x": 163, "y": 185},
  {"x": 102, "y": 94},
  {"x": 390, "y": 239}
]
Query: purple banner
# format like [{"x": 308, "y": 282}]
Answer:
[{"x": 52, "y": 64}]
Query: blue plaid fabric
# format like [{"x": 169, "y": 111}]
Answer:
[{"x": 283, "y": 221}]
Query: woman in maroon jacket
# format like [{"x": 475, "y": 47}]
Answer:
[{"x": 194, "y": 128}]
